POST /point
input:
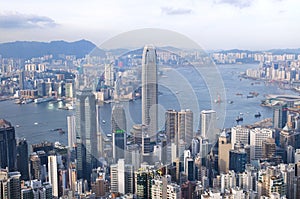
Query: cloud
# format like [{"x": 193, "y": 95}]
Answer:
[
  {"x": 236, "y": 3},
  {"x": 17, "y": 20},
  {"x": 175, "y": 11}
]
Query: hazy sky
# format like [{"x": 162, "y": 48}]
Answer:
[{"x": 213, "y": 24}]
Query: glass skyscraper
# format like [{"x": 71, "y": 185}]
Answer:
[
  {"x": 149, "y": 90},
  {"x": 8, "y": 150},
  {"x": 118, "y": 128},
  {"x": 86, "y": 133}
]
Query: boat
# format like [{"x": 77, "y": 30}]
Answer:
[
  {"x": 36, "y": 123},
  {"x": 218, "y": 100},
  {"x": 103, "y": 121},
  {"x": 254, "y": 93},
  {"x": 250, "y": 96},
  {"x": 239, "y": 119},
  {"x": 18, "y": 101},
  {"x": 27, "y": 101},
  {"x": 59, "y": 130},
  {"x": 41, "y": 100},
  {"x": 257, "y": 115},
  {"x": 17, "y": 126},
  {"x": 230, "y": 102}
]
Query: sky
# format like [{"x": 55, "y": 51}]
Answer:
[{"x": 213, "y": 24}]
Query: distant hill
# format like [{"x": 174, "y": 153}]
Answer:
[
  {"x": 273, "y": 51},
  {"x": 29, "y": 49},
  {"x": 285, "y": 51}
]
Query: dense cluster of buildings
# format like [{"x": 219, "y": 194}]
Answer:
[
  {"x": 140, "y": 162},
  {"x": 240, "y": 56}
]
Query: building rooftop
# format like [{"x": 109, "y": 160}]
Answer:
[{"x": 4, "y": 123}]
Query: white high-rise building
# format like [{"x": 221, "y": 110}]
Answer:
[
  {"x": 71, "y": 131},
  {"x": 122, "y": 177},
  {"x": 149, "y": 90},
  {"x": 53, "y": 174},
  {"x": 109, "y": 75},
  {"x": 185, "y": 127},
  {"x": 208, "y": 124},
  {"x": 257, "y": 136},
  {"x": 239, "y": 134}
]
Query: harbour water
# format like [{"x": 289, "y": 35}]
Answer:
[{"x": 180, "y": 88}]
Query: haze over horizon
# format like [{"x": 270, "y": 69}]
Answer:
[{"x": 213, "y": 24}]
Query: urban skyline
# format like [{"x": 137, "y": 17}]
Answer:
[{"x": 181, "y": 162}]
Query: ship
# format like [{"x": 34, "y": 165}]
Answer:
[
  {"x": 41, "y": 100},
  {"x": 239, "y": 119},
  {"x": 59, "y": 130},
  {"x": 257, "y": 114}
]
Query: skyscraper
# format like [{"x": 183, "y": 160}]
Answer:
[
  {"x": 71, "y": 130},
  {"x": 86, "y": 133},
  {"x": 7, "y": 145},
  {"x": 279, "y": 115},
  {"x": 10, "y": 185},
  {"x": 237, "y": 158},
  {"x": 22, "y": 159},
  {"x": 257, "y": 136},
  {"x": 240, "y": 134},
  {"x": 118, "y": 128},
  {"x": 143, "y": 183},
  {"x": 171, "y": 128},
  {"x": 122, "y": 177},
  {"x": 223, "y": 153},
  {"x": 185, "y": 127},
  {"x": 53, "y": 174},
  {"x": 109, "y": 75},
  {"x": 208, "y": 124},
  {"x": 149, "y": 90}
]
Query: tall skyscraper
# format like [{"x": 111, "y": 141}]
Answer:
[
  {"x": 53, "y": 174},
  {"x": 171, "y": 127},
  {"x": 149, "y": 90},
  {"x": 185, "y": 127},
  {"x": 22, "y": 80},
  {"x": 118, "y": 128},
  {"x": 22, "y": 159},
  {"x": 223, "y": 153},
  {"x": 86, "y": 133},
  {"x": 109, "y": 75},
  {"x": 71, "y": 130},
  {"x": 122, "y": 177},
  {"x": 279, "y": 115},
  {"x": 8, "y": 151},
  {"x": 208, "y": 124}
]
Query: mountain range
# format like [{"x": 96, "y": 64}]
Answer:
[{"x": 30, "y": 49}]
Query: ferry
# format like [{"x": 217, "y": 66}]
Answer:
[
  {"x": 239, "y": 119},
  {"x": 41, "y": 100},
  {"x": 257, "y": 115}
]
